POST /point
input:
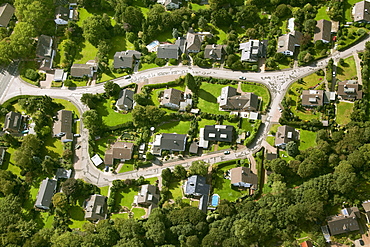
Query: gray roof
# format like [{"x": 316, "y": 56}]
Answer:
[
  {"x": 126, "y": 99},
  {"x": 58, "y": 75},
  {"x": 63, "y": 173},
  {"x": 243, "y": 177},
  {"x": 173, "y": 96},
  {"x": 174, "y": 142},
  {"x": 229, "y": 100},
  {"x": 46, "y": 192},
  {"x": 12, "y": 122},
  {"x": 194, "y": 148},
  {"x": 219, "y": 133},
  {"x": 148, "y": 195},
  {"x": 181, "y": 42},
  {"x": 64, "y": 124},
  {"x": 193, "y": 42},
  {"x": 289, "y": 41},
  {"x": 214, "y": 51},
  {"x": 44, "y": 46},
  {"x": 96, "y": 208},
  {"x": 119, "y": 150},
  {"x": 2, "y": 155},
  {"x": 344, "y": 223},
  {"x": 349, "y": 90},
  {"x": 285, "y": 134},
  {"x": 62, "y": 13},
  {"x": 81, "y": 70},
  {"x": 253, "y": 50},
  {"x": 168, "y": 51},
  {"x": 361, "y": 11},
  {"x": 313, "y": 98},
  {"x": 196, "y": 186},
  {"x": 6, "y": 13},
  {"x": 125, "y": 59},
  {"x": 323, "y": 30}
]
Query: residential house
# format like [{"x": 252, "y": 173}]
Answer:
[
  {"x": 45, "y": 52},
  {"x": 288, "y": 42},
  {"x": 231, "y": 100},
  {"x": 12, "y": 122},
  {"x": 194, "y": 148},
  {"x": 366, "y": 206},
  {"x": 170, "y": 4},
  {"x": 181, "y": 43},
  {"x": 81, "y": 70},
  {"x": 2, "y": 155},
  {"x": 172, "y": 98},
  {"x": 125, "y": 100},
  {"x": 119, "y": 150},
  {"x": 313, "y": 98},
  {"x": 6, "y": 13},
  {"x": 63, "y": 173},
  {"x": 193, "y": 42},
  {"x": 60, "y": 75},
  {"x": 215, "y": 52},
  {"x": 46, "y": 192},
  {"x": 167, "y": 51},
  {"x": 253, "y": 50},
  {"x": 61, "y": 15},
  {"x": 96, "y": 208},
  {"x": 126, "y": 59},
  {"x": 196, "y": 187},
  {"x": 243, "y": 177},
  {"x": 345, "y": 222},
  {"x": 147, "y": 197},
  {"x": 63, "y": 126},
  {"x": 323, "y": 31},
  {"x": 171, "y": 142},
  {"x": 271, "y": 156},
  {"x": 361, "y": 12},
  {"x": 349, "y": 90},
  {"x": 219, "y": 133},
  {"x": 285, "y": 134}
]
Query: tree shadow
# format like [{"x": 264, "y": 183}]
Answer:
[
  {"x": 340, "y": 71},
  {"x": 76, "y": 213},
  {"x": 102, "y": 110},
  {"x": 207, "y": 96},
  {"x": 79, "y": 49}
]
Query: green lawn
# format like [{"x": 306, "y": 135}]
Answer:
[
  {"x": 260, "y": 91},
  {"x": 197, "y": 7},
  {"x": 271, "y": 140},
  {"x": 127, "y": 167},
  {"x": 348, "y": 70},
  {"x": 284, "y": 26},
  {"x": 54, "y": 147},
  {"x": 103, "y": 143},
  {"x": 9, "y": 163},
  {"x": 247, "y": 125},
  {"x": 179, "y": 127},
  {"x": 138, "y": 212},
  {"x": 208, "y": 94},
  {"x": 104, "y": 190},
  {"x": 47, "y": 219},
  {"x": 344, "y": 110},
  {"x": 152, "y": 180},
  {"x": 76, "y": 214},
  {"x": 175, "y": 189},
  {"x": 155, "y": 95},
  {"x": 284, "y": 155},
  {"x": 88, "y": 53},
  {"x": 321, "y": 14},
  {"x": 144, "y": 66},
  {"x": 306, "y": 139},
  {"x": 126, "y": 196},
  {"x": 123, "y": 216},
  {"x": 110, "y": 117},
  {"x": 202, "y": 123}
]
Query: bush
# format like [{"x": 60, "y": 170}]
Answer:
[
  {"x": 160, "y": 61},
  {"x": 173, "y": 61},
  {"x": 68, "y": 83},
  {"x": 31, "y": 74}
]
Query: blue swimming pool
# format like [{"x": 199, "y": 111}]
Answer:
[{"x": 215, "y": 200}]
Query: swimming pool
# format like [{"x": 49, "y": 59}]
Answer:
[{"x": 215, "y": 200}]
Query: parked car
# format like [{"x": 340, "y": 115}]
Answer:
[
  {"x": 334, "y": 73},
  {"x": 242, "y": 78},
  {"x": 227, "y": 152},
  {"x": 280, "y": 110},
  {"x": 127, "y": 77},
  {"x": 76, "y": 135},
  {"x": 78, "y": 146}
]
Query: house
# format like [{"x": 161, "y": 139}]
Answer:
[
  {"x": 313, "y": 98},
  {"x": 125, "y": 59},
  {"x": 170, "y": 142},
  {"x": 360, "y": 12},
  {"x": 271, "y": 156},
  {"x": 60, "y": 75},
  {"x": 253, "y": 50},
  {"x": 167, "y": 51},
  {"x": 243, "y": 177},
  {"x": 2, "y": 155},
  {"x": 12, "y": 122},
  {"x": 366, "y": 206},
  {"x": 81, "y": 70},
  {"x": 285, "y": 134},
  {"x": 63, "y": 173},
  {"x": 306, "y": 244},
  {"x": 96, "y": 160},
  {"x": 119, "y": 150},
  {"x": 45, "y": 52},
  {"x": 125, "y": 100},
  {"x": 172, "y": 98},
  {"x": 170, "y": 4},
  {"x": 349, "y": 90},
  {"x": 215, "y": 52},
  {"x": 63, "y": 126},
  {"x": 345, "y": 222},
  {"x": 96, "y": 208},
  {"x": 288, "y": 42},
  {"x": 323, "y": 31},
  {"x": 181, "y": 43},
  {"x": 202, "y": 142},
  {"x": 196, "y": 187},
  {"x": 6, "y": 13},
  {"x": 194, "y": 148},
  {"x": 219, "y": 133},
  {"x": 46, "y": 192},
  {"x": 193, "y": 42},
  {"x": 147, "y": 197},
  {"x": 231, "y": 100},
  {"x": 61, "y": 15}
]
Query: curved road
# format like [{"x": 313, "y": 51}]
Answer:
[{"x": 276, "y": 81}]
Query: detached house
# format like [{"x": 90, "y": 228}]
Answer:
[
  {"x": 215, "y": 52},
  {"x": 361, "y": 12},
  {"x": 45, "y": 194},
  {"x": 81, "y": 70},
  {"x": 288, "y": 42},
  {"x": 119, "y": 150},
  {"x": 172, "y": 98},
  {"x": 345, "y": 222},
  {"x": 12, "y": 122},
  {"x": 63, "y": 126},
  {"x": 125, "y": 100},
  {"x": 253, "y": 50},
  {"x": 167, "y": 51},
  {"x": 349, "y": 90},
  {"x": 196, "y": 187},
  {"x": 323, "y": 31},
  {"x": 219, "y": 133},
  {"x": 170, "y": 4},
  {"x": 170, "y": 142},
  {"x": 193, "y": 42},
  {"x": 44, "y": 52},
  {"x": 147, "y": 197},
  {"x": 243, "y": 177},
  {"x": 126, "y": 59},
  {"x": 96, "y": 208},
  {"x": 284, "y": 135},
  {"x": 6, "y": 13},
  {"x": 313, "y": 98},
  {"x": 230, "y": 100},
  {"x": 61, "y": 15}
]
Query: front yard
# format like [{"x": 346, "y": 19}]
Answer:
[
  {"x": 109, "y": 116},
  {"x": 344, "y": 110}
]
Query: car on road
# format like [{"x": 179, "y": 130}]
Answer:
[
  {"x": 76, "y": 135},
  {"x": 227, "y": 152},
  {"x": 242, "y": 78},
  {"x": 334, "y": 73},
  {"x": 77, "y": 147},
  {"x": 127, "y": 77},
  {"x": 280, "y": 110}
]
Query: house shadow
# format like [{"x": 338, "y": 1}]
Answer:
[{"x": 207, "y": 96}]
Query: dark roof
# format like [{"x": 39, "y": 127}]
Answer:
[
  {"x": 271, "y": 156},
  {"x": 12, "y": 122},
  {"x": 214, "y": 51},
  {"x": 126, "y": 99},
  {"x": 194, "y": 148},
  {"x": 62, "y": 13},
  {"x": 287, "y": 42},
  {"x": 2, "y": 155},
  {"x": 168, "y": 51},
  {"x": 181, "y": 42},
  {"x": 312, "y": 97},
  {"x": 253, "y": 49},
  {"x": 285, "y": 134},
  {"x": 196, "y": 186},
  {"x": 63, "y": 173},
  {"x": 64, "y": 124},
  {"x": 6, "y": 13},
  {"x": 96, "y": 208},
  {"x": 46, "y": 192},
  {"x": 125, "y": 59},
  {"x": 80, "y": 70},
  {"x": 219, "y": 133},
  {"x": 172, "y": 96},
  {"x": 229, "y": 100},
  {"x": 174, "y": 142},
  {"x": 44, "y": 46},
  {"x": 361, "y": 11},
  {"x": 349, "y": 90},
  {"x": 148, "y": 195},
  {"x": 344, "y": 223},
  {"x": 323, "y": 30},
  {"x": 366, "y": 206}
]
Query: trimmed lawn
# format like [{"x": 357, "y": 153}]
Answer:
[
  {"x": 110, "y": 117},
  {"x": 284, "y": 26},
  {"x": 344, "y": 110},
  {"x": 47, "y": 219},
  {"x": 76, "y": 214},
  {"x": 271, "y": 140},
  {"x": 348, "y": 70},
  {"x": 260, "y": 91},
  {"x": 202, "y": 123},
  {"x": 127, "y": 167},
  {"x": 9, "y": 163},
  {"x": 152, "y": 180},
  {"x": 348, "y": 9},
  {"x": 321, "y": 14},
  {"x": 179, "y": 127},
  {"x": 138, "y": 212},
  {"x": 103, "y": 144},
  {"x": 88, "y": 53},
  {"x": 54, "y": 147},
  {"x": 197, "y": 7},
  {"x": 104, "y": 190},
  {"x": 123, "y": 216},
  {"x": 126, "y": 196},
  {"x": 144, "y": 66},
  {"x": 306, "y": 139},
  {"x": 175, "y": 189},
  {"x": 247, "y": 125},
  {"x": 67, "y": 105},
  {"x": 284, "y": 155},
  {"x": 155, "y": 96},
  {"x": 208, "y": 94}
]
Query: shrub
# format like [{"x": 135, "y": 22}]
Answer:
[
  {"x": 160, "y": 61},
  {"x": 31, "y": 74}
]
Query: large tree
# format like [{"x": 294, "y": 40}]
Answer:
[
  {"x": 146, "y": 115},
  {"x": 97, "y": 28}
]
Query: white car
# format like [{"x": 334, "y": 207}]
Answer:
[
  {"x": 127, "y": 77},
  {"x": 227, "y": 152},
  {"x": 280, "y": 110},
  {"x": 242, "y": 78}
]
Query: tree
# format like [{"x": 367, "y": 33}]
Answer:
[
  {"x": 180, "y": 172},
  {"x": 70, "y": 187},
  {"x": 111, "y": 89},
  {"x": 191, "y": 83},
  {"x": 24, "y": 156},
  {"x": 90, "y": 100},
  {"x": 9, "y": 183},
  {"x": 292, "y": 149},
  {"x": 49, "y": 165},
  {"x": 60, "y": 201},
  {"x": 146, "y": 115},
  {"x": 202, "y": 23},
  {"x": 282, "y": 10},
  {"x": 31, "y": 74},
  {"x": 166, "y": 176},
  {"x": 131, "y": 17},
  {"x": 175, "y": 33},
  {"x": 97, "y": 28},
  {"x": 92, "y": 121},
  {"x": 198, "y": 167}
]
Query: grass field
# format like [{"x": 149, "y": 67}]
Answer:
[
  {"x": 348, "y": 70},
  {"x": 152, "y": 180},
  {"x": 127, "y": 167},
  {"x": 68, "y": 106},
  {"x": 155, "y": 95},
  {"x": 88, "y": 53},
  {"x": 271, "y": 140},
  {"x": 104, "y": 190},
  {"x": 9, "y": 163},
  {"x": 76, "y": 214},
  {"x": 344, "y": 110},
  {"x": 306, "y": 139},
  {"x": 103, "y": 144},
  {"x": 260, "y": 91},
  {"x": 138, "y": 212},
  {"x": 123, "y": 216},
  {"x": 126, "y": 196},
  {"x": 179, "y": 127},
  {"x": 54, "y": 147},
  {"x": 175, "y": 189},
  {"x": 197, "y": 7},
  {"x": 144, "y": 66},
  {"x": 110, "y": 117},
  {"x": 321, "y": 14},
  {"x": 208, "y": 94},
  {"x": 202, "y": 123}
]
